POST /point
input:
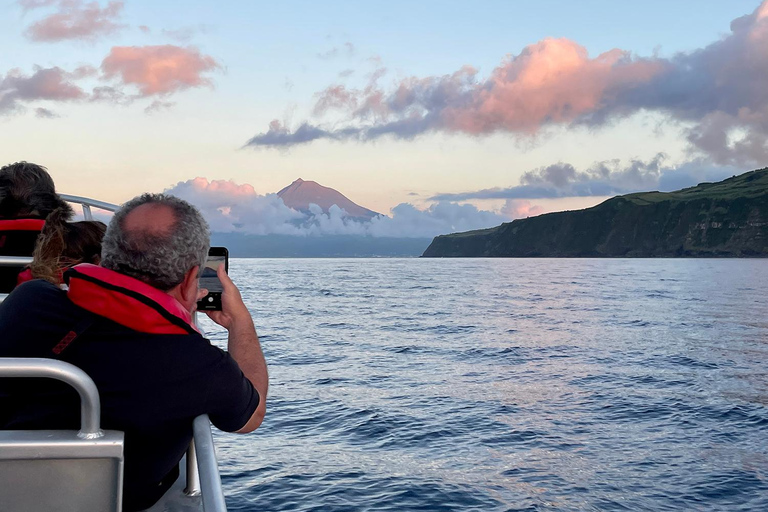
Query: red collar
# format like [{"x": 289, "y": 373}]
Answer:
[
  {"x": 21, "y": 224},
  {"x": 127, "y": 301}
]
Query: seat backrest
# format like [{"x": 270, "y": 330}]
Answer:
[
  {"x": 60, "y": 470},
  {"x": 17, "y": 239},
  {"x": 9, "y": 276}
]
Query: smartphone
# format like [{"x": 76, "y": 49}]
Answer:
[{"x": 209, "y": 279}]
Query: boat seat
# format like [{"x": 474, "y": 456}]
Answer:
[
  {"x": 17, "y": 241},
  {"x": 10, "y": 267},
  {"x": 60, "y": 470}
]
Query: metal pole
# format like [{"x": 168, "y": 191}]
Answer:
[
  {"x": 193, "y": 474},
  {"x": 90, "y": 407},
  {"x": 210, "y": 481},
  {"x": 85, "y": 201},
  {"x": 15, "y": 261}
]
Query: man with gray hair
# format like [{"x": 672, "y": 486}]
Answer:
[{"x": 128, "y": 324}]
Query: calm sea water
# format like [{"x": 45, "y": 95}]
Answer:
[{"x": 495, "y": 385}]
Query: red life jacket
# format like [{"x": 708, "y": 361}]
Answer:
[
  {"x": 127, "y": 301},
  {"x": 24, "y": 276},
  {"x": 21, "y": 224}
]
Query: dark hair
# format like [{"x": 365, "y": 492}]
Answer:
[
  {"x": 27, "y": 190},
  {"x": 158, "y": 259},
  {"x": 64, "y": 244}
]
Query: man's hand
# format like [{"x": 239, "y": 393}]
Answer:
[
  {"x": 233, "y": 309},
  {"x": 243, "y": 344}
]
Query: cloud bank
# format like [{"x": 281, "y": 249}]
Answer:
[
  {"x": 229, "y": 207},
  {"x": 128, "y": 72},
  {"x": 717, "y": 92},
  {"x": 605, "y": 178}
]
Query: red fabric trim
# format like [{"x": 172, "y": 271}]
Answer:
[
  {"x": 22, "y": 225},
  {"x": 24, "y": 276},
  {"x": 124, "y": 309},
  {"x": 64, "y": 343}
]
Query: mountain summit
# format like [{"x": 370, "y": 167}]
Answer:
[{"x": 300, "y": 194}]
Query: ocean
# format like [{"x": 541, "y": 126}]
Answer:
[{"x": 505, "y": 384}]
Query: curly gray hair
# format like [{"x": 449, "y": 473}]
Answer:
[{"x": 160, "y": 260}]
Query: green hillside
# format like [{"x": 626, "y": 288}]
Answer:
[{"x": 724, "y": 219}]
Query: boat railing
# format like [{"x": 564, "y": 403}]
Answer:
[
  {"x": 203, "y": 479},
  {"x": 88, "y": 203},
  {"x": 203, "y": 452},
  {"x": 15, "y": 261}
]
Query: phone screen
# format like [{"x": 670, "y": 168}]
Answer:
[{"x": 209, "y": 278}]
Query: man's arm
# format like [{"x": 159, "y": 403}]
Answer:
[{"x": 243, "y": 344}]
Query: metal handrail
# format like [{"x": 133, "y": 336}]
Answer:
[
  {"x": 87, "y": 202},
  {"x": 15, "y": 261},
  {"x": 193, "y": 473},
  {"x": 210, "y": 480},
  {"x": 90, "y": 407}
]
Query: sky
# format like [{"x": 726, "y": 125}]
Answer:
[{"x": 441, "y": 115}]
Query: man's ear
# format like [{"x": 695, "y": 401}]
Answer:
[{"x": 188, "y": 287}]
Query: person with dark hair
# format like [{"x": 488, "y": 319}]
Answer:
[
  {"x": 128, "y": 324},
  {"x": 27, "y": 191},
  {"x": 27, "y": 197},
  {"x": 62, "y": 245}
]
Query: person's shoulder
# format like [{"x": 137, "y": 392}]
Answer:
[
  {"x": 191, "y": 353},
  {"x": 35, "y": 289},
  {"x": 33, "y": 301},
  {"x": 199, "y": 344},
  {"x": 192, "y": 344}
]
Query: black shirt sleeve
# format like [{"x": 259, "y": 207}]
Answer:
[{"x": 232, "y": 398}]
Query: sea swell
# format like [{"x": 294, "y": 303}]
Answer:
[{"x": 498, "y": 385}]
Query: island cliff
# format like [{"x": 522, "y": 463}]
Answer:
[{"x": 724, "y": 219}]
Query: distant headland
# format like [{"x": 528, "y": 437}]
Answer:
[{"x": 724, "y": 219}]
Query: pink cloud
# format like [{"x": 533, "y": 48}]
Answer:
[
  {"x": 28, "y": 5},
  {"x": 53, "y": 84},
  {"x": 716, "y": 94},
  {"x": 553, "y": 81},
  {"x": 221, "y": 188},
  {"x": 158, "y": 70},
  {"x": 74, "y": 19},
  {"x": 228, "y": 206},
  {"x": 155, "y": 70},
  {"x": 334, "y": 97},
  {"x": 520, "y": 208}
]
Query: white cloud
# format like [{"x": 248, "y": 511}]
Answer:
[{"x": 229, "y": 207}]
